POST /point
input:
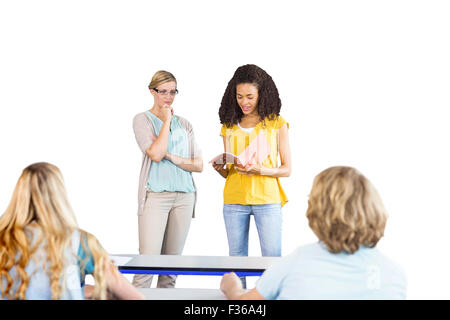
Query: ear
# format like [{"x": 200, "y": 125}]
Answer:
[{"x": 153, "y": 92}]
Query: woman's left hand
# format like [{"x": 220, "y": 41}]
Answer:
[{"x": 249, "y": 169}]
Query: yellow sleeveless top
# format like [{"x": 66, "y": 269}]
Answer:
[{"x": 255, "y": 189}]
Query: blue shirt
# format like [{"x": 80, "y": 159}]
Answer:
[
  {"x": 78, "y": 263},
  {"x": 312, "y": 272},
  {"x": 164, "y": 175}
]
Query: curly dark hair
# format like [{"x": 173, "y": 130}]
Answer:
[{"x": 269, "y": 103}]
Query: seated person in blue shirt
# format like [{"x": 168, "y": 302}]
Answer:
[
  {"x": 347, "y": 215},
  {"x": 43, "y": 253}
]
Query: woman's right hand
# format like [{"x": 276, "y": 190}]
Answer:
[
  {"x": 218, "y": 166},
  {"x": 167, "y": 113},
  {"x": 221, "y": 169}
]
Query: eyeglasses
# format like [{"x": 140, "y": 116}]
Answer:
[{"x": 165, "y": 92}]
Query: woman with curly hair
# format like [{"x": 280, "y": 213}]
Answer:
[
  {"x": 254, "y": 131},
  {"x": 43, "y": 253},
  {"x": 348, "y": 217}
]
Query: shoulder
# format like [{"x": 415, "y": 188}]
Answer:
[
  {"x": 141, "y": 120},
  {"x": 84, "y": 253},
  {"x": 313, "y": 256},
  {"x": 224, "y": 129},
  {"x": 184, "y": 122},
  {"x": 310, "y": 251},
  {"x": 87, "y": 241},
  {"x": 81, "y": 236},
  {"x": 277, "y": 122},
  {"x": 139, "y": 116},
  {"x": 394, "y": 268},
  {"x": 302, "y": 253}
]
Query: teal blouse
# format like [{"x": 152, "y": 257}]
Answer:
[{"x": 164, "y": 175}]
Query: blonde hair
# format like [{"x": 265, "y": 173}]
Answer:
[
  {"x": 161, "y": 77},
  {"x": 40, "y": 200},
  {"x": 345, "y": 211}
]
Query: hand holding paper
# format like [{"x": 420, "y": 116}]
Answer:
[
  {"x": 257, "y": 151},
  {"x": 227, "y": 158}
]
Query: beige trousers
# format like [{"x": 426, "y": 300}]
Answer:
[{"x": 163, "y": 228}]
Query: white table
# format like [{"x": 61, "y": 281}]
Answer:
[{"x": 195, "y": 265}]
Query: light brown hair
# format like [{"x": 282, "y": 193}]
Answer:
[
  {"x": 161, "y": 77},
  {"x": 39, "y": 204},
  {"x": 345, "y": 211}
]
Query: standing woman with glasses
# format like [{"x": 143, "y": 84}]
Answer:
[
  {"x": 254, "y": 131},
  {"x": 167, "y": 193}
]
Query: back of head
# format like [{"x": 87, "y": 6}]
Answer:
[
  {"x": 345, "y": 211},
  {"x": 39, "y": 212},
  {"x": 39, "y": 197}
]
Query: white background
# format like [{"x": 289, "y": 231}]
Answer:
[{"x": 363, "y": 83}]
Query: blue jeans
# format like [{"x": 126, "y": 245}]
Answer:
[{"x": 268, "y": 221}]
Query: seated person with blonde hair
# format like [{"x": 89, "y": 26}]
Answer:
[
  {"x": 44, "y": 254},
  {"x": 347, "y": 215}
]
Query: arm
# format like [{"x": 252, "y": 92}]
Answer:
[
  {"x": 153, "y": 146},
  {"x": 231, "y": 286},
  {"x": 143, "y": 132},
  {"x": 194, "y": 161},
  {"x": 192, "y": 165},
  {"x": 222, "y": 168},
  {"x": 119, "y": 285},
  {"x": 158, "y": 149},
  {"x": 284, "y": 170},
  {"x": 285, "y": 156}
]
